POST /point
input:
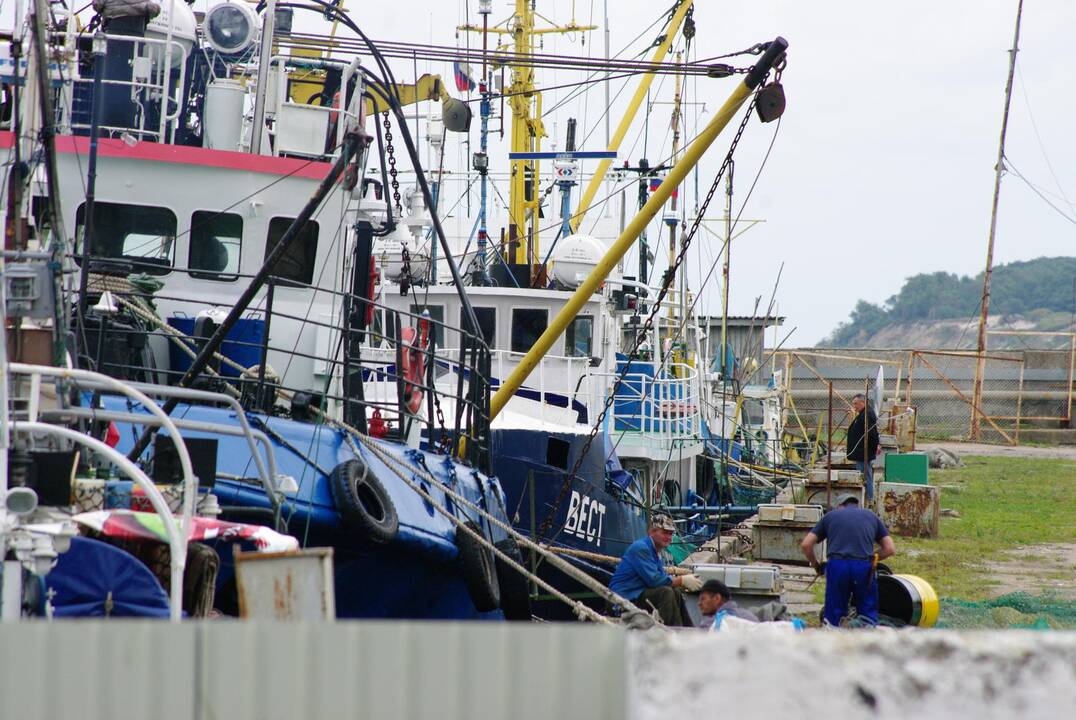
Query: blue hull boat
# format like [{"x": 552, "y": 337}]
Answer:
[{"x": 395, "y": 553}]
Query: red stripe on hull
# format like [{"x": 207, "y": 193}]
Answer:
[{"x": 184, "y": 155}]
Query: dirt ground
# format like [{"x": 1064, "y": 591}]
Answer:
[
  {"x": 1037, "y": 569},
  {"x": 1061, "y": 452}
]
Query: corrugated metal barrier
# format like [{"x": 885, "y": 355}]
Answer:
[{"x": 88, "y": 670}]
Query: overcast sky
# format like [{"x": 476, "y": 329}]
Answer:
[{"x": 883, "y": 166}]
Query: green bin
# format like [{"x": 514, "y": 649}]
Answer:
[{"x": 906, "y": 468}]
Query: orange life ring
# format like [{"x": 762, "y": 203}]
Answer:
[{"x": 415, "y": 343}]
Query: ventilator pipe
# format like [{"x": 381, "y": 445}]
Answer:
[{"x": 627, "y": 238}]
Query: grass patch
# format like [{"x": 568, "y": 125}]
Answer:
[{"x": 1004, "y": 503}]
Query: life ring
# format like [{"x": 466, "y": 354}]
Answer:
[
  {"x": 515, "y": 592},
  {"x": 363, "y": 502},
  {"x": 479, "y": 569},
  {"x": 413, "y": 360}
]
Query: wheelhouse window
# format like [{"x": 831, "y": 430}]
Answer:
[
  {"x": 528, "y": 324},
  {"x": 215, "y": 243},
  {"x": 143, "y": 235},
  {"x": 580, "y": 337},
  {"x": 487, "y": 323},
  {"x": 297, "y": 264},
  {"x": 437, "y": 313}
]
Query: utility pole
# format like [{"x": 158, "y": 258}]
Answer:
[{"x": 980, "y": 362}]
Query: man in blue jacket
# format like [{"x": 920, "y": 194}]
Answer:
[
  {"x": 851, "y": 560},
  {"x": 641, "y": 577}
]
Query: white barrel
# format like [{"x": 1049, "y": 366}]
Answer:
[{"x": 223, "y": 115}]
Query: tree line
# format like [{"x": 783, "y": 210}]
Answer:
[{"x": 1015, "y": 289}]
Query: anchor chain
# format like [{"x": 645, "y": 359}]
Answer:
[{"x": 390, "y": 151}]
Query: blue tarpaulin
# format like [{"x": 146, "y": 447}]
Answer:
[{"x": 92, "y": 577}]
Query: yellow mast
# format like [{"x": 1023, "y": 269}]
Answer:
[
  {"x": 527, "y": 128},
  {"x": 676, "y": 175},
  {"x": 629, "y": 114}
]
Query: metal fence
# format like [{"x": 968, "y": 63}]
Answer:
[
  {"x": 946, "y": 412},
  {"x": 1027, "y": 392}
]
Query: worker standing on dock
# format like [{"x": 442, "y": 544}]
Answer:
[
  {"x": 851, "y": 560},
  {"x": 641, "y": 577},
  {"x": 863, "y": 443}
]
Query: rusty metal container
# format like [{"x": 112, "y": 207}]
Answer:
[
  {"x": 910, "y": 510},
  {"x": 818, "y": 493},
  {"x": 780, "y": 541}
]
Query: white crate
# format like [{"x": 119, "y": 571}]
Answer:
[
  {"x": 776, "y": 512},
  {"x": 754, "y": 579}
]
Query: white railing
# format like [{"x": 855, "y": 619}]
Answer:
[
  {"x": 662, "y": 410},
  {"x": 150, "y": 84},
  {"x": 177, "y": 537}
]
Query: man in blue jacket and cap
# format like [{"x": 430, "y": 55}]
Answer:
[
  {"x": 851, "y": 560},
  {"x": 641, "y": 577}
]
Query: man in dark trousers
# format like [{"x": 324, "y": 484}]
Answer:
[
  {"x": 641, "y": 577},
  {"x": 863, "y": 442},
  {"x": 851, "y": 560}
]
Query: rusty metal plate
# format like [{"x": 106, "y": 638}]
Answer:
[{"x": 910, "y": 510}]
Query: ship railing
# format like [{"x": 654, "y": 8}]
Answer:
[
  {"x": 152, "y": 88},
  {"x": 556, "y": 384},
  {"x": 176, "y": 535},
  {"x": 306, "y": 359},
  {"x": 661, "y": 410}
]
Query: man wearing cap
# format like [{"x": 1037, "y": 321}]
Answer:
[
  {"x": 852, "y": 533},
  {"x": 641, "y": 577}
]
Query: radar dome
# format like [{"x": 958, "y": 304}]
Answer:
[{"x": 574, "y": 258}]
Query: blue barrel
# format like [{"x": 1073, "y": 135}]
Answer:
[{"x": 242, "y": 344}]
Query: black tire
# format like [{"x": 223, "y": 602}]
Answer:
[
  {"x": 515, "y": 591},
  {"x": 478, "y": 569},
  {"x": 363, "y": 502}
]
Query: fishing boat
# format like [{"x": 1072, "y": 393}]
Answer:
[
  {"x": 329, "y": 323},
  {"x": 174, "y": 220}
]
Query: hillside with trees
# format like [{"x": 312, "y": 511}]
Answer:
[{"x": 936, "y": 309}]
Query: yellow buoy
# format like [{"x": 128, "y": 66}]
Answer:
[{"x": 908, "y": 598}]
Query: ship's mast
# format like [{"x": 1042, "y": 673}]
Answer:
[
  {"x": 527, "y": 131},
  {"x": 672, "y": 218}
]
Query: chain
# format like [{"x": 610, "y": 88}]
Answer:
[
  {"x": 666, "y": 283},
  {"x": 390, "y": 151},
  {"x": 405, "y": 271}
]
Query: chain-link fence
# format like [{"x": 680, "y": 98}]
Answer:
[
  {"x": 943, "y": 392},
  {"x": 1049, "y": 373},
  {"x": 808, "y": 374},
  {"x": 1027, "y": 392}
]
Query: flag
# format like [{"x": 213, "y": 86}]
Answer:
[
  {"x": 462, "y": 71},
  {"x": 655, "y": 183}
]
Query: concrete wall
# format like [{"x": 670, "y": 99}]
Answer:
[
  {"x": 229, "y": 670},
  {"x": 879, "y": 674}
]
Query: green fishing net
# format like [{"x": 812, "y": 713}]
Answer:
[{"x": 1016, "y": 611}]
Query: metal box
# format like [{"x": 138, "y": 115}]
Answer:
[
  {"x": 286, "y": 586},
  {"x": 780, "y": 541},
  {"x": 818, "y": 493},
  {"x": 746, "y": 579},
  {"x": 910, "y": 510},
  {"x": 301, "y": 130},
  {"x": 908, "y": 468},
  {"x": 775, "y": 512}
]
